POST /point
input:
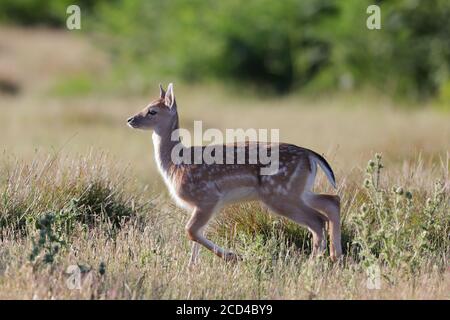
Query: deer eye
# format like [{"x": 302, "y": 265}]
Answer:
[{"x": 152, "y": 112}]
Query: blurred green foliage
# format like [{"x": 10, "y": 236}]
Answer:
[
  {"x": 312, "y": 45},
  {"x": 78, "y": 85},
  {"x": 40, "y": 12}
]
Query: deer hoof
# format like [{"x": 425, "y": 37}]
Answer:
[{"x": 232, "y": 257}]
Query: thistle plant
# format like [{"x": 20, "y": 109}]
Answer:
[
  {"x": 47, "y": 243},
  {"x": 436, "y": 222},
  {"x": 392, "y": 228}
]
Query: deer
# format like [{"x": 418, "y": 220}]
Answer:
[{"x": 205, "y": 188}]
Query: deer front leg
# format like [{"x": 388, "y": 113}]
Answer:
[
  {"x": 194, "y": 254},
  {"x": 195, "y": 226}
]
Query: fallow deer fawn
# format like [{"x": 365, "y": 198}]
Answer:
[{"x": 206, "y": 188}]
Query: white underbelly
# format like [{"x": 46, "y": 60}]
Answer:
[{"x": 239, "y": 194}]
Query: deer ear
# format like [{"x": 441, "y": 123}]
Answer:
[
  {"x": 170, "y": 97},
  {"x": 162, "y": 93}
]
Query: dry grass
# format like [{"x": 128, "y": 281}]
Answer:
[{"x": 145, "y": 254}]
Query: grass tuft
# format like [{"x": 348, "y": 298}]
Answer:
[{"x": 81, "y": 191}]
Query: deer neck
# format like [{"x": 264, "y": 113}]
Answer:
[{"x": 164, "y": 140}]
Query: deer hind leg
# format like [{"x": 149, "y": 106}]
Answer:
[
  {"x": 303, "y": 215},
  {"x": 315, "y": 223},
  {"x": 329, "y": 205},
  {"x": 195, "y": 229}
]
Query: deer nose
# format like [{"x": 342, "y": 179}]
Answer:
[{"x": 130, "y": 119}]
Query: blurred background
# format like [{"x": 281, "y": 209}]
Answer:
[{"x": 310, "y": 68}]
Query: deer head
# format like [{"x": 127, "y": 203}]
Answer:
[{"x": 160, "y": 115}]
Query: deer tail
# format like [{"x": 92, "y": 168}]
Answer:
[{"x": 317, "y": 159}]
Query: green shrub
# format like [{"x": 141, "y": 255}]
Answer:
[
  {"x": 283, "y": 45},
  {"x": 255, "y": 41}
]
